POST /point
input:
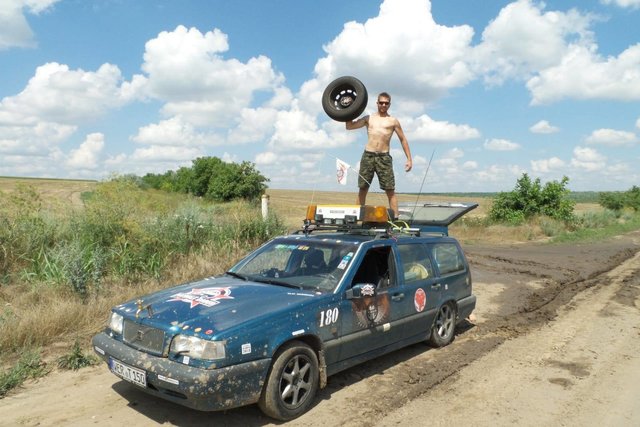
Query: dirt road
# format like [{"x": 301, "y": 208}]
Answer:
[{"x": 556, "y": 342}]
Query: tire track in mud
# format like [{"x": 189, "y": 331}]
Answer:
[{"x": 391, "y": 381}]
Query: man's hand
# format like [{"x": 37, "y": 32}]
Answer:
[{"x": 408, "y": 165}]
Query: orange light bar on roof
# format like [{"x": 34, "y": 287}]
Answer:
[
  {"x": 375, "y": 214},
  {"x": 311, "y": 213},
  {"x": 346, "y": 214}
]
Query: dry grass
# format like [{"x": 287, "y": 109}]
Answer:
[
  {"x": 52, "y": 319},
  {"x": 54, "y": 192}
]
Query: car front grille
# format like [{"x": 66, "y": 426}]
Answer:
[{"x": 145, "y": 338}]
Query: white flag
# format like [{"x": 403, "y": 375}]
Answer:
[{"x": 341, "y": 171}]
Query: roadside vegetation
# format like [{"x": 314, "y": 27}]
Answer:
[{"x": 533, "y": 211}]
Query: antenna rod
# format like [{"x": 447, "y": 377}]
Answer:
[{"x": 423, "y": 179}]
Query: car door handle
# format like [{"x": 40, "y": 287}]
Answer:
[
  {"x": 436, "y": 286},
  {"x": 397, "y": 297}
]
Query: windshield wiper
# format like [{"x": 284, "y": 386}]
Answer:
[
  {"x": 236, "y": 275},
  {"x": 278, "y": 283}
]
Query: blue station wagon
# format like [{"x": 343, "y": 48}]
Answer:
[{"x": 348, "y": 287}]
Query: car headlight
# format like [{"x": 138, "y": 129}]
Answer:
[
  {"x": 115, "y": 323},
  {"x": 198, "y": 348}
]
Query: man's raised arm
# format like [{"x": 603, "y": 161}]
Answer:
[{"x": 356, "y": 124}]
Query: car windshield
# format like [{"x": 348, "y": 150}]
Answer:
[{"x": 312, "y": 265}]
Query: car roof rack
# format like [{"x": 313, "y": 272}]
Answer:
[{"x": 414, "y": 219}]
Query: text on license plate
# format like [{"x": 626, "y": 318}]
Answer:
[{"x": 129, "y": 373}]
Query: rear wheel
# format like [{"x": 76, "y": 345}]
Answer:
[
  {"x": 292, "y": 382},
  {"x": 444, "y": 326}
]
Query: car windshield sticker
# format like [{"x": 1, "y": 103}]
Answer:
[
  {"x": 293, "y": 247},
  {"x": 203, "y": 296},
  {"x": 420, "y": 300},
  {"x": 345, "y": 261}
]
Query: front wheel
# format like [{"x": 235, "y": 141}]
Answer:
[
  {"x": 292, "y": 382},
  {"x": 444, "y": 326}
]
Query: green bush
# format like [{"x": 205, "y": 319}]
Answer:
[
  {"x": 76, "y": 359},
  {"x": 29, "y": 366},
  {"x": 529, "y": 199},
  {"x": 617, "y": 201}
]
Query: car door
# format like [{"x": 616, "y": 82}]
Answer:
[
  {"x": 421, "y": 287},
  {"x": 371, "y": 322},
  {"x": 452, "y": 268}
]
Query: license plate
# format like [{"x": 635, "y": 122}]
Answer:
[{"x": 129, "y": 373}]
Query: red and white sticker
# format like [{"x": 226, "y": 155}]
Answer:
[
  {"x": 203, "y": 296},
  {"x": 420, "y": 300}
]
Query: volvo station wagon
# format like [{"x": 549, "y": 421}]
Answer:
[{"x": 347, "y": 287}]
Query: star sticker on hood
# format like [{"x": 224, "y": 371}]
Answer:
[{"x": 203, "y": 296}]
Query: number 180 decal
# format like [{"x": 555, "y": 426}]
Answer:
[{"x": 328, "y": 317}]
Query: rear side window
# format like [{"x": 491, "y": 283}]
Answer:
[
  {"x": 415, "y": 262},
  {"x": 448, "y": 258}
]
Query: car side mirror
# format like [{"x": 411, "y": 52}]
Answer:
[{"x": 360, "y": 290}]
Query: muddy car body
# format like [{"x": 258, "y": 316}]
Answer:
[{"x": 346, "y": 288}]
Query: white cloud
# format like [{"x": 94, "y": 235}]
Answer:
[
  {"x": 424, "y": 128},
  {"x": 185, "y": 68},
  {"x": 57, "y": 94},
  {"x": 611, "y": 137},
  {"x": 470, "y": 165},
  {"x": 583, "y": 74},
  {"x": 634, "y": 4},
  {"x": 500, "y": 175},
  {"x": 454, "y": 153},
  {"x": 255, "y": 125},
  {"x": 547, "y": 165},
  {"x": 496, "y": 144},
  {"x": 14, "y": 28},
  {"x": 172, "y": 132},
  {"x": 162, "y": 153},
  {"x": 296, "y": 129},
  {"x": 87, "y": 156},
  {"x": 523, "y": 39},
  {"x": 266, "y": 158},
  {"x": 432, "y": 59},
  {"x": 588, "y": 159},
  {"x": 543, "y": 127}
]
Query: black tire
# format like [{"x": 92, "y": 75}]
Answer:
[
  {"x": 444, "y": 326},
  {"x": 345, "y": 99},
  {"x": 292, "y": 382}
]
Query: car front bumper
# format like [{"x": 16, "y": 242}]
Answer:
[{"x": 197, "y": 388}]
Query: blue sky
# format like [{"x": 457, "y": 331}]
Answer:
[{"x": 493, "y": 89}]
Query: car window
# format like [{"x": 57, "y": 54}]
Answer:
[
  {"x": 448, "y": 258},
  {"x": 306, "y": 264},
  {"x": 377, "y": 267},
  {"x": 415, "y": 262}
]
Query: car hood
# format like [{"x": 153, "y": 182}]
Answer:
[{"x": 212, "y": 305}]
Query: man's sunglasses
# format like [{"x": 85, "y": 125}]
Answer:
[{"x": 383, "y": 103}]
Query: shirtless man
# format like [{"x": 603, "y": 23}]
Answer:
[{"x": 376, "y": 157}]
